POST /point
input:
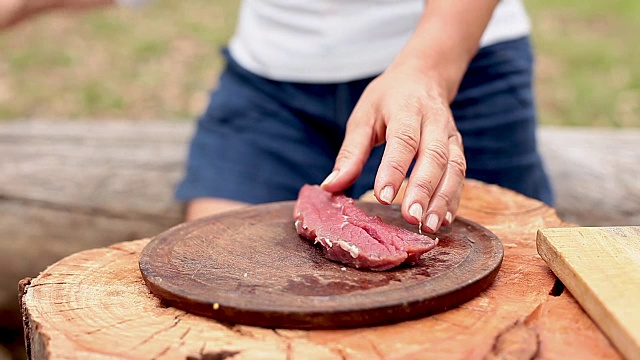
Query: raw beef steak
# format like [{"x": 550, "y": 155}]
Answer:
[{"x": 348, "y": 235}]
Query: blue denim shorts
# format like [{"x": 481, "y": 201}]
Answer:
[{"x": 260, "y": 140}]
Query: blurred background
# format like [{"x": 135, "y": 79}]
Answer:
[
  {"x": 66, "y": 186},
  {"x": 160, "y": 61}
]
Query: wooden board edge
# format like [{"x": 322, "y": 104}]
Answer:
[
  {"x": 23, "y": 285},
  {"x": 589, "y": 300},
  {"x": 300, "y": 320}
]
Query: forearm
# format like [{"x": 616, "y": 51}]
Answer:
[
  {"x": 446, "y": 39},
  {"x": 15, "y": 11},
  {"x": 32, "y": 7}
]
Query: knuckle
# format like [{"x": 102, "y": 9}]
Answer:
[
  {"x": 458, "y": 165},
  {"x": 408, "y": 139},
  {"x": 396, "y": 166},
  {"x": 445, "y": 198},
  {"x": 437, "y": 154},
  {"x": 426, "y": 187}
]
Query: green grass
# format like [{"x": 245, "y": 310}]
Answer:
[
  {"x": 160, "y": 62},
  {"x": 588, "y": 62}
]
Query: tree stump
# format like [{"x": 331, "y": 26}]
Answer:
[
  {"x": 86, "y": 184},
  {"x": 94, "y": 304}
]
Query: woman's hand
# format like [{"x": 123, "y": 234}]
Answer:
[{"x": 408, "y": 109}]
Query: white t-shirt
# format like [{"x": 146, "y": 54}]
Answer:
[{"x": 328, "y": 41}]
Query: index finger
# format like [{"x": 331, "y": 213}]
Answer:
[{"x": 357, "y": 144}]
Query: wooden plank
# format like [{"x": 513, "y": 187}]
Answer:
[
  {"x": 119, "y": 167},
  {"x": 600, "y": 268},
  {"x": 594, "y": 172}
]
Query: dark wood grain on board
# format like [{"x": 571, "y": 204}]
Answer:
[{"x": 251, "y": 267}]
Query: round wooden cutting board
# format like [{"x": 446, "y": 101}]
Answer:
[{"x": 251, "y": 267}]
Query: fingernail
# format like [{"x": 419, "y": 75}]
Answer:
[
  {"x": 449, "y": 217},
  {"x": 416, "y": 211},
  {"x": 331, "y": 177},
  {"x": 386, "y": 194},
  {"x": 432, "y": 222}
]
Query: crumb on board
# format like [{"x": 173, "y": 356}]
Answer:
[
  {"x": 216, "y": 306},
  {"x": 343, "y": 268},
  {"x": 245, "y": 275}
]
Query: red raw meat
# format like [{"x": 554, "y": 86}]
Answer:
[{"x": 348, "y": 235}]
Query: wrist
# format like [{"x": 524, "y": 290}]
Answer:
[
  {"x": 442, "y": 73},
  {"x": 445, "y": 40}
]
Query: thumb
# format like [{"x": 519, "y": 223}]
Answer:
[{"x": 353, "y": 154}]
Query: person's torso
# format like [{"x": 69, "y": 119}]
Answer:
[{"x": 329, "y": 41}]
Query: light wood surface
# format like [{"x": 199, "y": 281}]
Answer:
[
  {"x": 601, "y": 268},
  {"x": 94, "y": 304}
]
